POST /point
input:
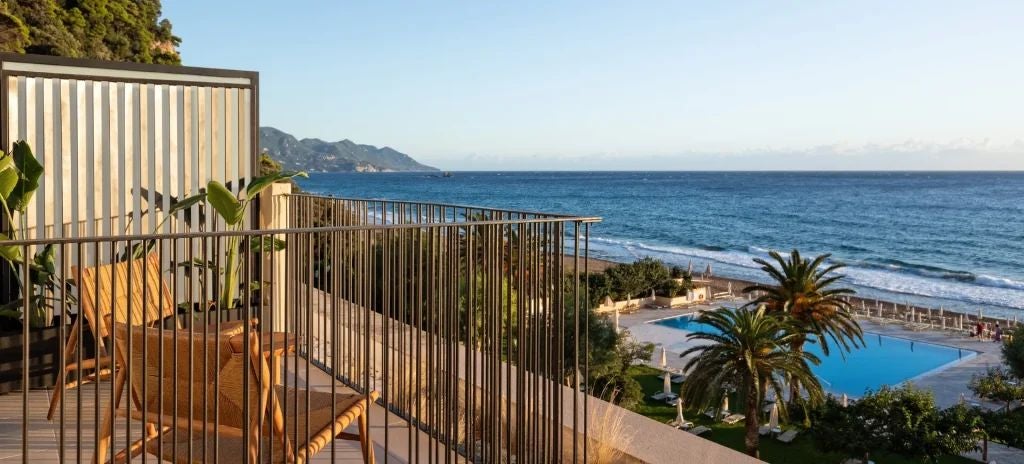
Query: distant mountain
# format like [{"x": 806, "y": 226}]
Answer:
[{"x": 315, "y": 155}]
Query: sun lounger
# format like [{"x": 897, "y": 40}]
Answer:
[
  {"x": 787, "y": 436},
  {"x": 660, "y": 396},
  {"x": 917, "y": 326},
  {"x": 764, "y": 430},
  {"x": 711, "y": 412},
  {"x": 733, "y": 418},
  {"x": 678, "y": 378},
  {"x": 686, "y": 425},
  {"x": 699, "y": 430}
]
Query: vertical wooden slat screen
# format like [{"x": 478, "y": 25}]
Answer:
[{"x": 118, "y": 141}]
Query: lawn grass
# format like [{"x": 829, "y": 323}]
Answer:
[{"x": 801, "y": 451}]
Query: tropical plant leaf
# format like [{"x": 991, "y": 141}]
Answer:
[
  {"x": 224, "y": 202},
  {"x": 260, "y": 183},
  {"x": 268, "y": 244},
  {"x": 8, "y": 175},
  {"x": 186, "y": 203},
  {"x": 11, "y": 253},
  {"x": 28, "y": 183}
]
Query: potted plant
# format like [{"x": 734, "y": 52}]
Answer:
[{"x": 30, "y": 302}]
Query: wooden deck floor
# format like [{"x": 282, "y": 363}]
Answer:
[{"x": 46, "y": 443}]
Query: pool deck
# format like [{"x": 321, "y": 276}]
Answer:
[{"x": 947, "y": 384}]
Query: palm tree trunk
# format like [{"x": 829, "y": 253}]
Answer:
[
  {"x": 794, "y": 386},
  {"x": 752, "y": 440}
]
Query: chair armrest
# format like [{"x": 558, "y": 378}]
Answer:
[{"x": 231, "y": 328}]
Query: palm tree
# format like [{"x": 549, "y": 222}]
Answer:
[
  {"x": 806, "y": 291},
  {"x": 750, "y": 351}
]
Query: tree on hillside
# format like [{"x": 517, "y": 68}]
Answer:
[
  {"x": 806, "y": 291},
  {"x": 748, "y": 350},
  {"x": 116, "y": 30}
]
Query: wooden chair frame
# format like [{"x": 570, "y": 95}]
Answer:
[
  {"x": 116, "y": 294},
  {"x": 265, "y": 402}
]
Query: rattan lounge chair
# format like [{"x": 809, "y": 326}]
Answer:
[
  {"x": 130, "y": 291},
  {"x": 172, "y": 403}
]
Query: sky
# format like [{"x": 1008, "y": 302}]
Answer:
[{"x": 634, "y": 85}]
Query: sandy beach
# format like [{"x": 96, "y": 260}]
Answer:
[{"x": 889, "y": 309}]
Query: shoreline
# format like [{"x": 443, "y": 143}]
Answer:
[{"x": 889, "y": 309}]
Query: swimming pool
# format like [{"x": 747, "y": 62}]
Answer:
[{"x": 885, "y": 360}]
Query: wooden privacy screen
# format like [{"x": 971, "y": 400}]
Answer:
[{"x": 119, "y": 140}]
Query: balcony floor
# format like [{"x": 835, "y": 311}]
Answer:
[{"x": 44, "y": 435}]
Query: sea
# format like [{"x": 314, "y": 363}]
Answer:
[{"x": 934, "y": 239}]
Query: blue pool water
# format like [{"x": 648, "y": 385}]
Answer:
[{"x": 884, "y": 360}]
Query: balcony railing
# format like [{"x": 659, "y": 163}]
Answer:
[{"x": 437, "y": 333}]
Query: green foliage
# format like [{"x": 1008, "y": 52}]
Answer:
[
  {"x": 1005, "y": 427},
  {"x": 997, "y": 385},
  {"x": 669, "y": 288},
  {"x": 901, "y": 420},
  {"x": 612, "y": 356},
  {"x": 13, "y": 32},
  {"x": 749, "y": 351},
  {"x": 118, "y": 30},
  {"x": 844, "y": 429},
  {"x": 232, "y": 210},
  {"x": 29, "y": 172},
  {"x": 1013, "y": 352},
  {"x": 19, "y": 180},
  {"x": 638, "y": 279},
  {"x": 805, "y": 289}
]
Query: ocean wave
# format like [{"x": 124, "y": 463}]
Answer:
[
  {"x": 1000, "y": 282},
  {"x": 889, "y": 275}
]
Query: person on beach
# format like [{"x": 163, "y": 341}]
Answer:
[
  {"x": 998, "y": 334},
  {"x": 979, "y": 330}
]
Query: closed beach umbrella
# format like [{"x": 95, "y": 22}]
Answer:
[
  {"x": 773, "y": 417},
  {"x": 708, "y": 271},
  {"x": 664, "y": 357},
  {"x": 668, "y": 384},
  {"x": 845, "y": 401},
  {"x": 730, "y": 288},
  {"x": 981, "y": 314},
  {"x": 725, "y": 403},
  {"x": 616, "y": 320},
  {"x": 689, "y": 268},
  {"x": 679, "y": 412}
]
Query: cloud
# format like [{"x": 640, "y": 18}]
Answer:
[{"x": 909, "y": 155}]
